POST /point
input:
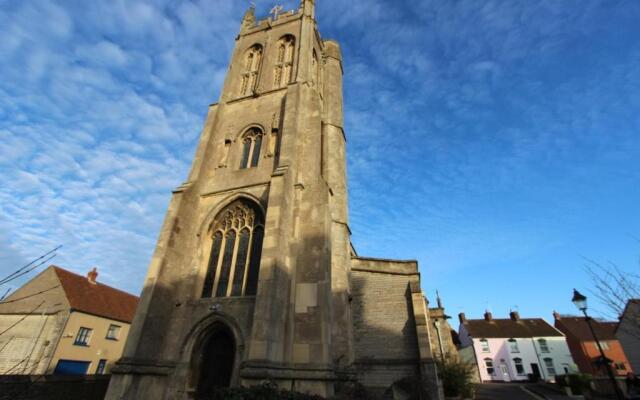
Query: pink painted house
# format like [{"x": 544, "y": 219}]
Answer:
[{"x": 515, "y": 349}]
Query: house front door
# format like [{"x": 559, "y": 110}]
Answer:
[
  {"x": 535, "y": 371},
  {"x": 505, "y": 372}
]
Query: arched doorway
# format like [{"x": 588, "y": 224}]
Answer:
[{"x": 217, "y": 360}]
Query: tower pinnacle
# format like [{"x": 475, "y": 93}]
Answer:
[
  {"x": 249, "y": 16},
  {"x": 308, "y": 8}
]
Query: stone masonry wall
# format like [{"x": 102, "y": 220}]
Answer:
[
  {"x": 385, "y": 341},
  {"x": 383, "y": 324}
]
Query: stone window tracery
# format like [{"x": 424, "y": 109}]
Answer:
[
  {"x": 251, "y": 144},
  {"x": 236, "y": 247},
  {"x": 251, "y": 67},
  {"x": 284, "y": 61}
]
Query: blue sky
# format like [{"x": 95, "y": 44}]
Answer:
[{"x": 496, "y": 142}]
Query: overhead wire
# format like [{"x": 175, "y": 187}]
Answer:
[{"x": 29, "y": 264}]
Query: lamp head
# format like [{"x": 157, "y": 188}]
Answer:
[{"x": 579, "y": 300}]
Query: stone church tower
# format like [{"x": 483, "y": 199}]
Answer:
[{"x": 254, "y": 277}]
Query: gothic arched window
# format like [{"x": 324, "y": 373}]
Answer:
[
  {"x": 284, "y": 61},
  {"x": 250, "y": 70},
  {"x": 236, "y": 247},
  {"x": 251, "y": 143}
]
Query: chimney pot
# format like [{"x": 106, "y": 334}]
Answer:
[
  {"x": 92, "y": 275},
  {"x": 488, "y": 316},
  {"x": 514, "y": 315},
  {"x": 462, "y": 318},
  {"x": 556, "y": 315}
]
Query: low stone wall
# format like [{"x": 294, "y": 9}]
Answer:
[{"x": 53, "y": 387}]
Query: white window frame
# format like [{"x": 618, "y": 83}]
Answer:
[
  {"x": 113, "y": 332},
  {"x": 513, "y": 346},
  {"x": 544, "y": 345},
  {"x": 484, "y": 346}
]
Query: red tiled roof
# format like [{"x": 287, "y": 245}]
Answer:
[
  {"x": 508, "y": 328},
  {"x": 96, "y": 298},
  {"x": 577, "y": 326}
]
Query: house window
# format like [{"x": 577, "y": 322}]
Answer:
[
  {"x": 620, "y": 367},
  {"x": 251, "y": 143},
  {"x": 284, "y": 61},
  {"x": 544, "y": 346},
  {"x": 513, "y": 346},
  {"x": 83, "y": 336},
  {"x": 484, "y": 345},
  {"x": 519, "y": 366},
  {"x": 251, "y": 67},
  {"x": 102, "y": 364},
  {"x": 235, "y": 251},
  {"x": 488, "y": 363},
  {"x": 548, "y": 363},
  {"x": 113, "y": 332}
]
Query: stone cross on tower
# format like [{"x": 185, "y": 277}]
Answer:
[{"x": 277, "y": 9}]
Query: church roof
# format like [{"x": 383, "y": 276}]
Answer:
[{"x": 509, "y": 328}]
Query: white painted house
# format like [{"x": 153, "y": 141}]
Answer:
[{"x": 513, "y": 349}]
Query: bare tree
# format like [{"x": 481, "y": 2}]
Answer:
[{"x": 615, "y": 287}]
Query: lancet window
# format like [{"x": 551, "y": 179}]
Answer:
[
  {"x": 236, "y": 247},
  {"x": 284, "y": 61},
  {"x": 315, "y": 68},
  {"x": 251, "y": 67},
  {"x": 251, "y": 144}
]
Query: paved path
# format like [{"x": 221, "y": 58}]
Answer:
[{"x": 502, "y": 391}]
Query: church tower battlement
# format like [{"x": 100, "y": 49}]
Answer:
[{"x": 250, "y": 280}]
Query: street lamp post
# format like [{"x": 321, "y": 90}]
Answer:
[{"x": 580, "y": 302}]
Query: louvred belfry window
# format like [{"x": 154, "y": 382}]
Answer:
[
  {"x": 284, "y": 61},
  {"x": 236, "y": 246},
  {"x": 251, "y": 67}
]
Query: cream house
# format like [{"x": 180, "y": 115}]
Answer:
[
  {"x": 63, "y": 323},
  {"x": 514, "y": 348}
]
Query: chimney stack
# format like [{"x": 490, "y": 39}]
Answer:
[
  {"x": 514, "y": 315},
  {"x": 488, "y": 316},
  {"x": 92, "y": 275},
  {"x": 462, "y": 318}
]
